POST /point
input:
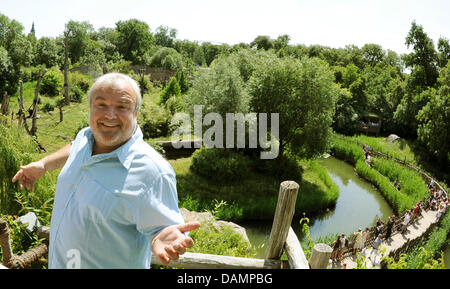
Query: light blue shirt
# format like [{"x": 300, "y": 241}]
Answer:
[{"x": 108, "y": 207}]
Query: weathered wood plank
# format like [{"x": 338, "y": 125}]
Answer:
[
  {"x": 209, "y": 261},
  {"x": 294, "y": 252},
  {"x": 320, "y": 256},
  {"x": 284, "y": 212}
]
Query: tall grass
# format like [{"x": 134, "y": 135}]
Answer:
[
  {"x": 16, "y": 149},
  {"x": 382, "y": 174}
]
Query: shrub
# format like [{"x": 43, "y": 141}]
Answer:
[
  {"x": 48, "y": 107},
  {"x": 221, "y": 165},
  {"x": 172, "y": 89},
  {"x": 80, "y": 80},
  {"x": 76, "y": 94},
  {"x": 155, "y": 122},
  {"x": 52, "y": 83}
]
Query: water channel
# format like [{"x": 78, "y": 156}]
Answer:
[{"x": 359, "y": 205}]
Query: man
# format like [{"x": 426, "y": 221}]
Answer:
[{"x": 116, "y": 201}]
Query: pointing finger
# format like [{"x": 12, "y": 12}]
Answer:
[{"x": 188, "y": 226}]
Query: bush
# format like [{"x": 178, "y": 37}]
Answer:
[
  {"x": 283, "y": 167},
  {"x": 172, "y": 89},
  {"x": 76, "y": 94},
  {"x": 48, "y": 107},
  {"x": 80, "y": 80},
  {"x": 221, "y": 165},
  {"x": 155, "y": 122},
  {"x": 52, "y": 83}
]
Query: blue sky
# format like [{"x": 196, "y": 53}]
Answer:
[{"x": 323, "y": 22}]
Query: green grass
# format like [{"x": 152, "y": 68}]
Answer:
[
  {"x": 254, "y": 197},
  {"x": 383, "y": 173},
  {"x": 400, "y": 149}
]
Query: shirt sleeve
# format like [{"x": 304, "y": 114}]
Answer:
[{"x": 157, "y": 207}]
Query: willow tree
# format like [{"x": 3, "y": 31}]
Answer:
[{"x": 303, "y": 93}]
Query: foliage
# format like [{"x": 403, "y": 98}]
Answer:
[
  {"x": 52, "y": 83},
  {"x": 165, "y": 57},
  {"x": 433, "y": 118},
  {"x": 134, "y": 39},
  {"x": 182, "y": 81},
  {"x": 423, "y": 59},
  {"x": 219, "y": 89},
  {"x": 76, "y": 94},
  {"x": 221, "y": 165},
  {"x": 425, "y": 261},
  {"x": 48, "y": 53},
  {"x": 165, "y": 36},
  {"x": 172, "y": 89},
  {"x": 77, "y": 36},
  {"x": 302, "y": 92},
  {"x": 155, "y": 121},
  {"x": 21, "y": 240},
  {"x": 220, "y": 240}
]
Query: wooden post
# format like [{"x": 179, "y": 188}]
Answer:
[
  {"x": 294, "y": 252},
  {"x": 284, "y": 212},
  {"x": 320, "y": 256},
  {"x": 5, "y": 242}
]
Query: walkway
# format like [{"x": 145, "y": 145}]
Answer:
[{"x": 397, "y": 240}]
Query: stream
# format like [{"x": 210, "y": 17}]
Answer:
[{"x": 359, "y": 205}]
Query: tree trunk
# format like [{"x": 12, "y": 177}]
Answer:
[
  {"x": 60, "y": 114},
  {"x": 22, "y": 117},
  {"x": 66, "y": 71},
  {"x": 5, "y": 104},
  {"x": 35, "y": 102}
]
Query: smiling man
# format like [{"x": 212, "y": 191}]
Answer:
[{"x": 116, "y": 200}]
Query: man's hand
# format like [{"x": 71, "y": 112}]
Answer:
[
  {"x": 171, "y": 242},
  {"x": 28, "y": 174}
]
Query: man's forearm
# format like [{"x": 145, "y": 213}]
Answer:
[{"x": 57, "y": 159}]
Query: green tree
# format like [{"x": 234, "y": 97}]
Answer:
[
  {"x": 434, "y": 125},
  {"x": 134, "y": 39},
  {"x": 182, "y": 81},
  {"x": 48, "y": 53},
  {"x": 172, "y": 89},
  {"x": 93, "y": 55},
  {"x": 262, "y": 42},
  {"x": 9, "y": 75},
  {"x": 373, "y": 54},
  {"x": 444, "y": 52},
  {"x": 219, "y": 89},
  {"x": 78, "y": 35},
  {"x": 165, "y": 36},
  {"x": 165, "y": 57},
  {"x": 303, "y": 93},
  {"x": 422, "y": 61}
]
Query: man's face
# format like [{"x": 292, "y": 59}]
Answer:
[{"x": 113, "y": 115}]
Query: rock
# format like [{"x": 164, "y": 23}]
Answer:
[
  {"x": 392, "y": 138},
  {"x": 206, "y": 217},
  {"x": 30, "y": 220}
]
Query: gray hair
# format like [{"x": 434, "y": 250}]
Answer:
[{"x": 111, "y": 79}]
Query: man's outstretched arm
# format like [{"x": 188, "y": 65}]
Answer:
[{"x": 28, "y": 174}]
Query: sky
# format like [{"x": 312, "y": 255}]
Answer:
[{"x": 309, "y": 22}]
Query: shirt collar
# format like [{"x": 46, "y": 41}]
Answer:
[{"x": 125, "y": 153}]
